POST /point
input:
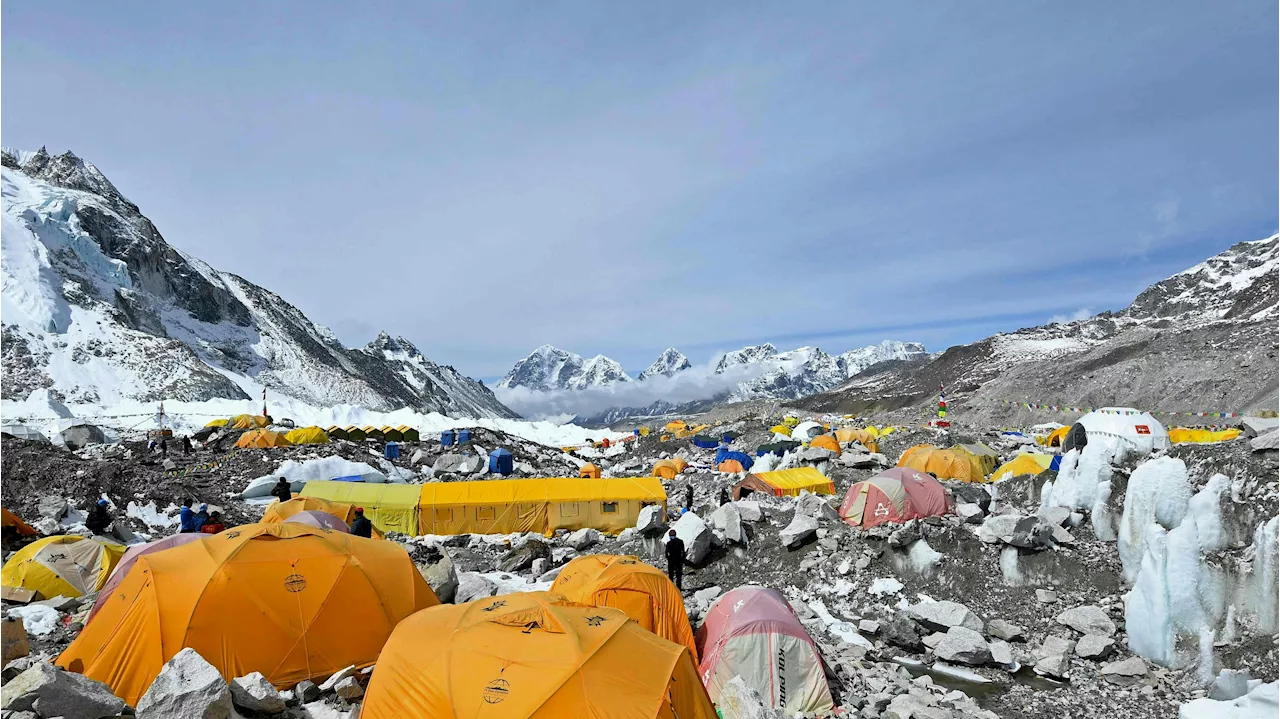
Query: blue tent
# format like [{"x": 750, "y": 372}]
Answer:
[
  {"x": 1057, "y": 460},
  {"x": 724, "y": 454},
  {"x": 464, "y": 436},
  {"x": 349, "y": 478},
  {"x": 447, "y": 437},
  {"x": 705, "y": 442},
  {"x": 501, "y": 462},
  {"x": 391, "y": 451}
]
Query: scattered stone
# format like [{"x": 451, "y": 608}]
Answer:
[
  {"x": 941, "y": 616},
  {"x": 1094, "y": 646},
  {"x": 696, "y": 536},
  {"x": 749, "y": 510},
  {"x": 651, "y": 520},
  {"x": 349, "y": 688},
  {"x": 933, "y": 640},
  {"x": 869, "y": 626},
  {"x": 812, "y": 505},
  {"x": 1125, "y": 672},
  {"x": 1007, "y": 631},
  {"x": 998, "y": 528},
  {"x": 540, "y": 566},
  {"x": 802, "y": 528},
  {"x": 442, "y": 576},
  {"x": 1053, "y": 657},
  {"x": 1031, "y": 533},
  {"x": 188, "y": 687},
  {"x": 1001, "y": 653},
  {"x": 1060, "y": 535},
  {"x": 909, "y": 706},
  {"x": 1058, "y": 516},
  {"x": 51, "y": 692},
  {"x": 306, "y": 691},
  {"x": 1088, "y": 619},
  {"x": 13, "y": 640},
  {"x": 970, "y": 513},
  {"x": 728, "y": 520},
  {"x": 582, "y": 538},
  {"x": 473, "y": 586},
  {"x": 54, "y": 507},
  {"x": 254, "y": 693},
  {"x": 1046, "y": 596},
  {"x": 909, "y": 534},
  {"x": 963, "y": 645},
  {"x": 901, "y": 632},
  {"x": 328, "y": 684},
  {"x": 521, "y": 558}
]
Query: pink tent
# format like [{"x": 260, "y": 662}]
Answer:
[
  {"x": 754, "y": 633},
  {"x": 130, "y": 556},
  {"x": 323, "y": 520},
  {"x": 894, "y": 495}
]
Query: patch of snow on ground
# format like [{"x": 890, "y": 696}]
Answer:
[
  {"x": 38, "y": 619},
  {"x": 885, "y": 585},
  {"x": 1262, "y": 702},
  {"x": 152, "y": 517}
]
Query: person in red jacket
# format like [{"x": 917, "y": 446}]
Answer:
[{"x": 213, "y": 524}]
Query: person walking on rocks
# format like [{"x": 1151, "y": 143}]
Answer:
[
  {"x": 282, "y": 490},
  {"x": 675, "y": 559},
  {"x": 186, "y": 444},
  {"x": 688, "y": 497},
  {"x": 360, "y": 526},
  {"x": 724, "y": 496}
]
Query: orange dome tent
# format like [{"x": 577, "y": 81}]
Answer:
[
  {"x": 289, "y": 600},
  {"x": 536, "y": 656},
  {"x": 262, "y": 438},
  {"x": 280, "y": 511},
  {"x": 943, "y": 463},
  {"x": 669, "y": 468},
  {"x": 862, "y": 436},
  {"x": 730, "y": 465},
  {"x": 626, "y": 583},
  {"x": 826, "y": 441},
  {"x": 14, "y": 522},
  {"x": 589, "y": 471}
]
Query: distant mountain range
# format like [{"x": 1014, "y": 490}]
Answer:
[
  {"x": 764, "y": 371},
  {"x": 1202, "y": 340}
]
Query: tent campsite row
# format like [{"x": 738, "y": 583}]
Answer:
[
  {"x": 498, "y": 506},
  {"x": 401, "y": 433}
]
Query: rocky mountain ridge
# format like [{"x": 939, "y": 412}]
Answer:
[{"x": 100, "y": 309}]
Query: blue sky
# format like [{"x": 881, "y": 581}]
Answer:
[{"x": 618, "y": 178}]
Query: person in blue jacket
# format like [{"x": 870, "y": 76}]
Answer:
[{"x": 187, "y": 518}]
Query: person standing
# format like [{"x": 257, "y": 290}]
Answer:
[
  {"x": 724, "y": 496},
  {"x": 688, "y": 497},
  {"x": 360, "y": 526},
  {"x": 282, "y": 491},
  {"x": 187, "y": 518},
  {"x": 675, "y": 559}
]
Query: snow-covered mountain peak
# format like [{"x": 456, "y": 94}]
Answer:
[
  {"x": 98, "y": 309},
  {"x": 668, "y": 364},
  {"x": 1237, "y": 283},
  {"x": 855, "y": 361},
  {"x": 599, "y": 371},
  {"x": 747, "y": 355}
]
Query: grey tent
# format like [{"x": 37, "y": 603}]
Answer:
[
  {"x": 77, "y": 436},
  {"x": 22, "y": 431}
]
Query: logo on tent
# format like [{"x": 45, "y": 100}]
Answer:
[
  {"x": 595, "y": 621},
  {"x": 295, "y": 583},
  {"x": 881, "y": 510},
  {"x": 232, "y": 534},
  {"x": 495, "y": 605},
  {"x": 496, "y": 691},
  {"x": 1142, "y": 429}
]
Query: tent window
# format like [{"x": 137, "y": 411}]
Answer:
[
  {"x": 485, "y": 512},
  {"x": 444, "y": 515},
  {"x": 609, "y": 507},
  {"x": 569, "y": 510}
]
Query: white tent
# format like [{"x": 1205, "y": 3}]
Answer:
[
  {"x": 22, "y": 431},
  {"x": 1134, "y": 429},
  {"x": 805, "y": 431}
]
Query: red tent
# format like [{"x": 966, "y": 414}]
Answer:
[
  {"x": 754, "y": 633},
  {"x": 894, "y": 495}
]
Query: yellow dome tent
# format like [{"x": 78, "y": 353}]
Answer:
[
  {"x": 626, "y": 583},
  {"x": 307, "y": 435},
  {"x": 262, "y": 438},
  {"x": 676, "y": 425},
  {"x": 589, "y": 471},
  {"x": 532, "y": 655},
  {"x": 826, "y": 441},
  {"x": 222, "y": 422},
  {"x": 289, "y": 600},
  {"x": 861, "y": 436},
  {"x": 942, "y": 463},
  {"x": 1198, "y": 435},
  {"x": 67, "y": 566},
  {"x": 644, "y": 431},
  {"x": 248, "y": 421},
  {"x": 781, "y": 429},
  {"x": 791, "y": 421},
  {"x": 1024, "y": 463},
  {"x": 669, "y": 468},
  {"x": 1054, "y": 439},
  {"x": 986, "y": 457}
]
